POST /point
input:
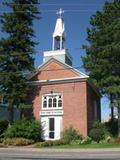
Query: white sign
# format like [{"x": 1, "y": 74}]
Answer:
[{"x": 44, "y": 113}]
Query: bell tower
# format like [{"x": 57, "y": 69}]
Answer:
[
  {"x": 58, "y": 34},
  {"x": 58, "y": 45}
]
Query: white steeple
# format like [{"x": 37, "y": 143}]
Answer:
[
  {"x": 58, "y": 34},
  {"x": 58, "y": 51}
]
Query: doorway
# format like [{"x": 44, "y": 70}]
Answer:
[{"x": 51, "y": 128}]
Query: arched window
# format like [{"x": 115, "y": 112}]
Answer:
[
  {"x": 50, "y": 102},
  {"x": 59, "y": 103},
  {"x": 54, "y": 102},
  {"x": 44, "y": 104}
]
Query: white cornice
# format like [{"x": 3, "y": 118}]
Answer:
[
  {"x": 57, "y": 81},
  {"x": 57, "y": 52}
]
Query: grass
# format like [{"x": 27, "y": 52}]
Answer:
[
  {"x": 97, "y": 145},
  {"x": 90, "y": 146}
]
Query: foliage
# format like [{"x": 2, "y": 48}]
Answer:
[
  {"x": 112, "y": 127},
  {"x": 96, "y": 134},
  {"x": 103, "y": 51},
  {"x": 86, "y": 140},
  {"x": 45, "y": 144},
  {"x": 60, "y": 142},
  {"x": 1, "y": 140},
  {"x": 70, "y": 134},
  {"x": 75, "y": 142},
  {"x": 97, "y": 124},
  {"x": 83, "y": 140},
  {"x": 3, "y": 125},
  {"x": 25, "y": 128},
  {"x": 107, "y": 139},
  {"x": 52, "y": 143},
  {"x": 17, "y": 50},
  {"x": 98, "y": 131},
  {"x": 17, "y": 141}
]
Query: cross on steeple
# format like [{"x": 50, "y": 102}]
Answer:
[
  {"x": 60, "y": 12},
  {"x": 58, "y": 34}
]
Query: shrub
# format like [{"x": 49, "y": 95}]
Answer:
[
  {"x": 42, "y": 144},
  {"x": 96, "y": 134},
  {"x": 45, "y": 144},
  {"x": 99, "y": 125},
  {"x": 86, "y": 140},
  {"x": 3, "y": 125},
  {"x": 1, "y": 140},
  {"x": 25, "y": 128},
  {"x": 60, "y": 142},
  {"x": 50, "y": 143},
  {"x": 74, "y": 142},
  {"x": 112, "y": 127},
  {"x": 17, "y": 141},
  {"x": 108, "y": 139},
  {"x": 98, "y": 131},
  {"x": 70, "y": 134}
]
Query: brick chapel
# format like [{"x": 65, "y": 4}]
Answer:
[{"x": 61, "y": 95}]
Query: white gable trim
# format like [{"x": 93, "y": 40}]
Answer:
[{"x": 79, "y": 73}]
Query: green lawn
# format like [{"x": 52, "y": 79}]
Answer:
[{"x": 104, "y": 145}]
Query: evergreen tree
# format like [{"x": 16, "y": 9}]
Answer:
[
  {"x": 17, "y": 50},
  {"x": 103, "y": 51}
]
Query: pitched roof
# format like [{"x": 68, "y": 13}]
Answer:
[{"x": 66, "y": 66}]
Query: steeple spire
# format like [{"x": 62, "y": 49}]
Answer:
[
  {"x": 58, "y": 51},
  {"x": 58, "y": 34}
]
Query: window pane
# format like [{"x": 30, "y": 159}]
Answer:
[
  {"x": 50, "y": 102},
  {"x": 51, "y": 124},
  {"x": 51, "y": 134},
  {"x": 54, "y": 102},
  {"x": 44, "y": 104},
  {"x": 59, "y": 103}
]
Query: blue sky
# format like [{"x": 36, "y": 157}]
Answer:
[{"x": 76, "y": 16}]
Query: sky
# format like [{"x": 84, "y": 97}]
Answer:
[{"x": 76, "y": 16}]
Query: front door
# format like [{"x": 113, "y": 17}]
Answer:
[{"x": 51, "y": 128}]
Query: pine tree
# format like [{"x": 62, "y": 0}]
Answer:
[
  {"x": 102, "y": 59},
  {"x": 17, "y": 50}
]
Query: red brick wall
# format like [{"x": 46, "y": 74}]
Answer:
[
  {"x": 77, "y": 111},
  {"x": 54, "y": 71},
  {"x": 74, "y": 104}
]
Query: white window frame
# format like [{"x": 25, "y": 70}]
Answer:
[{"x": 52, "y": 95}]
